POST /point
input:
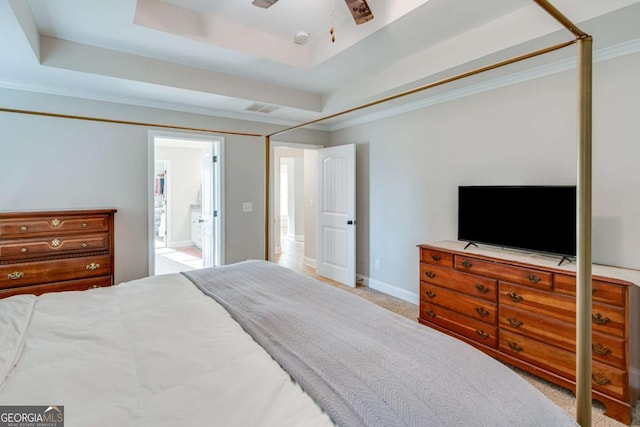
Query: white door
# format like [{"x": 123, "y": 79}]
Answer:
[
  {"x": 209, "y": 213},
  {"x": 336, "y": 207}
]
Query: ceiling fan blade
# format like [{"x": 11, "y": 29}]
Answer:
[
  {"x": 264, "y": 3},
  {"x": 360, "y": 11}
]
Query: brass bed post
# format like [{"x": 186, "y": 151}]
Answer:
[
  {"x": 583, "y": 269},
  {"x": 267, "y": 175}
]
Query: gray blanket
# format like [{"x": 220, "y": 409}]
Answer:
[{"x": 365, "y": 365}]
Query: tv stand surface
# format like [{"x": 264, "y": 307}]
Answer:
[{"x": 520, "y": 308}]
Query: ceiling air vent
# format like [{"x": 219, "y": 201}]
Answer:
[{"x": 262, "y": 108}]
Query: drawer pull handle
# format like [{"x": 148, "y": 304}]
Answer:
[
  {"x": 482, "y": 334},
  {"x": 514, "y": 322},
  {"x": 515, "y": 347},
  {"x": 85, "y": 225},
  {"x": 94, "y": 286},
  {"x": 24, "y": 228},
  {"x": 600, "y": 319},
  {"x": 93, "y": 266},
  {"x": 533, "y": 279},
  {"x": 600, "y": 379},
  {"x": 431, "y": 314},
  {"x": 430, "y": 274},
  {"x": 24, "y": 250},
  {"x": 55, "y": 243},
  {"x": 482, "y": 289},
  {"x": 481, "y": 311},
  {"x": 430, "y": 294},
  {"x": 15, "y": 275},
  {"x": 514, "y": 296},
  {"x": 600, "y": 349},
  {"x": 55, "y": 222},
  {"x": 436, "y": 257},
  {"x": 84, "y": 244},
  {"x": 466, "y": 263}
]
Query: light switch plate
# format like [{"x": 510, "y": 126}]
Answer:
[{"x": 247, "y": 207}]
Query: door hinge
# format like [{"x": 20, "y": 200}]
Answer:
[
  {"x": 215, "y": 214},
  {"x": 214, "y": 159}
]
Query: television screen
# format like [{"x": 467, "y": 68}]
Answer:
[{"x": 536, "y": 218}]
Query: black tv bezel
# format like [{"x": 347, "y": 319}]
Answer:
[{"x": 519, "y": 248}]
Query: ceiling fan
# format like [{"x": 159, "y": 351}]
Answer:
[{"x": 359, "y": 9}]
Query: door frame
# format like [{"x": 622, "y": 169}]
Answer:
[
  {"x": 272, "y": 171},
  {"x": 188, "y": 136}
]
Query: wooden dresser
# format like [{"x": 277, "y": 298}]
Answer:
[
  {"x": 523, "y": 313},
  {"x": 55, "y": 251}
]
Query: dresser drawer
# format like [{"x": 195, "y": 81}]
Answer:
[
  {"x": 606, "y": 348},
  {"x": 470, "y": 328},
  {"x": 602, "y": 291},
  {"x": 22, "y": 249},
  {"x": 607, "y": 319},
  {"x": 469, "y": 306},
  {"x": 433, "y": 256},
  {"x": 71, "y": 285},
  {"x": 28, "y": 227},
  {"x": 41, "y": 272},
  {"x": 534, "y": 278},
  {"x": 467, "y": 283},
  {"x": 605, "y": 378}
]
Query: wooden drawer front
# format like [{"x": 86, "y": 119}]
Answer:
[
  {"x": 52, "y": 246},
  {"x": 33, "y": 273},
  {"x": 470, "y": 328},
  {"x": 606, "y": 348},
  {"x": 544, "y": 328},
  {"x": 543, "y": 303},
  {"x": 461, "y": 303},
  {"x": 468, "y": 283},
  {"x": 607, "y": 319},
  {"x": 608, "y": 293},
  {"x": 16, "y": 228},
  {"x": 534, "y": 278},
  {"x": 433, "y": 256},
  {"x": 606, "y": 379},
  {"x": 72, "y": 285}
]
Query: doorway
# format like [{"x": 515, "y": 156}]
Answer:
[
  {"x": 185, "y": 209},
  {"x": 292, "y": 230}
]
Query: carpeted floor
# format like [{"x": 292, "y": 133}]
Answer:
[{"x": 563, "y": 398}]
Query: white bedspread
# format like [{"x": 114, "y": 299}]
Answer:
[{"x": 152, "y": 352}]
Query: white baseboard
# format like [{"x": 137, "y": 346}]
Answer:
[
  {"x": 299, "y": 237},
  {"x": 634, "y": 379},
  {"x": 181, "y": 244},
  {"x": 394, "y": 291},
  {"x": 309, "y": 261}
]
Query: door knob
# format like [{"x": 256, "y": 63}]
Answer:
[{"x": 351, "y": 222}]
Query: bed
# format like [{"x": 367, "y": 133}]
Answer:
[{"x": 249, "y": 344}]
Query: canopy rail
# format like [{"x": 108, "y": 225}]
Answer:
[{"x": 125, "y": 122}]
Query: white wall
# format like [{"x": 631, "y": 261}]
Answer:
[
  {"x": 409, "y": 166},
  {"x": 53, "y": 163},
  {"x": 184, "y": 181}
]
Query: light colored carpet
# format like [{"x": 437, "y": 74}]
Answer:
[{"x": 563, "y": 398}]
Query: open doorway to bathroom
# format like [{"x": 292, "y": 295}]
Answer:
[{"x": 186, "y": 207}]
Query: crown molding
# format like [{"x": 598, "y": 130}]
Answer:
[{"x": 604, "y": 54}]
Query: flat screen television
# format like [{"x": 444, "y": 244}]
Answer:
[{"x": 533, "y": 218}]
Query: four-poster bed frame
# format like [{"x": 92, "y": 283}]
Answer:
[{"x": 584, "y": 285}]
